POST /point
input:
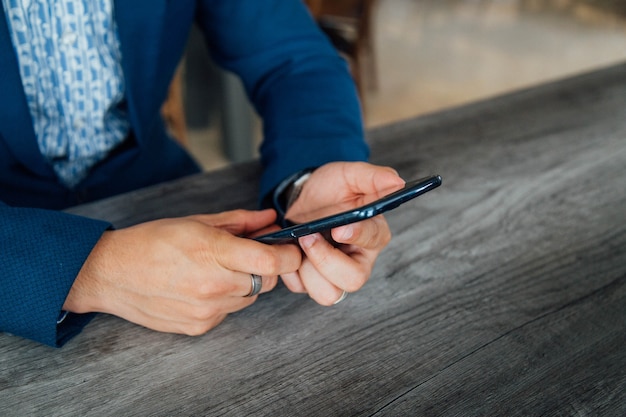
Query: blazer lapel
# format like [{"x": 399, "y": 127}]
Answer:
[
  {"x": 16, "y": 125},
  {"x": 140, "y": 28}
]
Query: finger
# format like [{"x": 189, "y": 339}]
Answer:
[
  {"x": 186, "y": 312},
  {"x": 252, "y": 257},
  {"x": 204, "y": 288},
  {"x": 188, "y": 328},
  {"x": 347, "y": 272},
  {"x": 244, "y": 285},
  {"x": 373, "y": 233},
  {"x": 268, "y": 283},
  {"x": 263, "y": 231},
  {"x": 365, "y": 178},
  {"x": 239, "y": 222},
  {"x": 187, "y": 318},
  {"x": 319, "y": 289},
  {"x": 293, "y": 282}
]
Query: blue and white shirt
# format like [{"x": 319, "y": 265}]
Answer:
[{"x": 70, "y": 63}]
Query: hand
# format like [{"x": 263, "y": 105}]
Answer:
[
  {"x": 180, "y": 275},
  {"x": 327, "y": 271}
]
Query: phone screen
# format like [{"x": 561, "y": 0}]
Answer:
[{"x": 361, "y": 208}]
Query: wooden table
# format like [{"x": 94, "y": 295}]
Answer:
[{"x": 503, "y": 292}]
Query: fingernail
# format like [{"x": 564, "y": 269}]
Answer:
[
  {"x": 348, "y": 232},
  {"x": 308, "y": 241}
]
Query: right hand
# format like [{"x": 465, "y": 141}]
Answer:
[{"x": 180, "y": 275}]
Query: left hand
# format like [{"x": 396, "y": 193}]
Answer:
[{"x": 327, "y": 271}]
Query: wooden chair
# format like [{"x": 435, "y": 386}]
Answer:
[{"x": 348, "y": 24}]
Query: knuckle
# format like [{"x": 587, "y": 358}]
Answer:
[
  {"x": 202, "y": 314},
  {"x": 385, "y": 237},
  {"x": 322, "y": 258},
  {"x": 358, "y": 280},
  {"x": 382, "y": 235},
  {"x": 268, "y": 262},
  {"x": 372, "y": 233},
  {"x": 198, "y": 328},
  {"x": 208, "y": 289},
  {"x": 215, "y": 288}
]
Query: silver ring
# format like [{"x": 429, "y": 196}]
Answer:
[
  {"x": 344, "y": 294},
  {"x": 257, "y": 283}
]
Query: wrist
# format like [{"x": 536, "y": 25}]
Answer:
[{"x": 86, "y": 291}]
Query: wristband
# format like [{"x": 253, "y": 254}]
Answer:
[{"x": 286, "y": 193}]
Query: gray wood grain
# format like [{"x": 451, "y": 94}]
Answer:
[{"x": 503, "y": 292}]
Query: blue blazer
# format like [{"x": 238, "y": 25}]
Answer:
[{"x": 296, "y": 81}]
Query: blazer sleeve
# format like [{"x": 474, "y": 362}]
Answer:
[
  {"x": 296, "y": 80},
  {"x": 42, "y": 253}
]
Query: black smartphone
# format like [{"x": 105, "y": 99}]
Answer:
[{"x": 322, "y": 220}]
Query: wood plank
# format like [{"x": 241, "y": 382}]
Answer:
[
  {"x": 567, "y": 362},
  {"x": 502, "y": 291}
]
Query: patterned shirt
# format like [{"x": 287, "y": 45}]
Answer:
[{"x": 70, "y": 63}]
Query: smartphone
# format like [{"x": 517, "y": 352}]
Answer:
[{"x": 322, "y": 220}]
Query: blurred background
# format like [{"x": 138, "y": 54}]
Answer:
[{"x": 411, "y": 57}]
